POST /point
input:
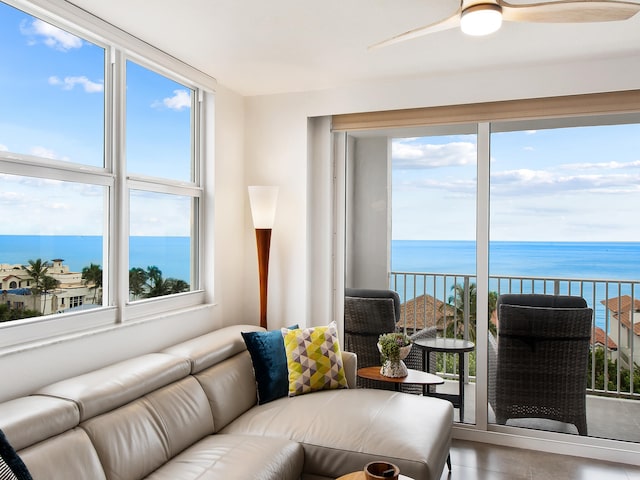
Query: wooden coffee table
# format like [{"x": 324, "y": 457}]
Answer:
[
  {"x": 360, "y": 476},
  {"x": 415, "y": 377}
]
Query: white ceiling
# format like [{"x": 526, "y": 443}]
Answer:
[{"x": 258, "y": 47}]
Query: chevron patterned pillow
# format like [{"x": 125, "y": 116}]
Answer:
[{"x": 314, "y": 359}]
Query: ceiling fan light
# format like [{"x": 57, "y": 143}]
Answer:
[{"x": 481, "y": 19}]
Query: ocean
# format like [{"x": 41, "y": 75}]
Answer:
[
  {"x": 558, "y": 260},
  {"x": 170, "y": 254},
  {"x": 576, "y": 260},
  {"x": 588, "y": 260}
]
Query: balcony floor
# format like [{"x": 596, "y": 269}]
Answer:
[{"x": 611, "y": 418}]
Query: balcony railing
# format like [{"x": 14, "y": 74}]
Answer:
[{"x": 448, "y": 302}]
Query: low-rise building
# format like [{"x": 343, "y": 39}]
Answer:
[{"x": 71, "y": 292}]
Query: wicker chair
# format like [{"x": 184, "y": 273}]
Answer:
[
  {"x": 540, "y": 367},
  {"x": 368, "y": 313}
]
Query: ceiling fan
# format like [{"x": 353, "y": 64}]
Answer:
[{"x": 482, "y": 17}]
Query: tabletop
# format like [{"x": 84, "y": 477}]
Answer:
[
  {"x": 414, "y": 377},
  {"x": 445, "y": 344}
]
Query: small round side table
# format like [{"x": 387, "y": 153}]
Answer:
[{"x": 448, "y": 345}]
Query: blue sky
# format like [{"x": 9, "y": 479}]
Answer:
[
  {"x": 562, "y": 184},
  {"x": 52, "y": 105}
]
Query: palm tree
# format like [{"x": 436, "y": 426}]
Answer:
[
  {"x": 156, "y": 285},
  {"x": 48, "y": 284},
  {"x": 137, "y": 281},
  {"x": 177, "y": 285},
  {"x": 37, "y": 270},
  {"x": 92, "y": 275},
  {"x": 457, "y": 300},
  {"x": 159, "y": 287}
]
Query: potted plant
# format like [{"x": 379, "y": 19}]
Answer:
[{"x": 394, "y": 347}]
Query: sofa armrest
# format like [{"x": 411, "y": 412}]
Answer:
[{"x": 350, "y": 364}]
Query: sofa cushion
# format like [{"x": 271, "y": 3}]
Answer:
[
  {"x": 230, "y": 388},
  {"x": 212, "y": 348},
  {"x": 110, "y": 387},
  {"x": 64, "y": 457},
  {"x": 29, "y": 420},
  {"x": 314, "y": 359},
  {"x": 269, "y": 363},
  {"x": 136, "y": 439},
  {"x": 342, "y": 430},
  {"x": 235, "y": 457}
]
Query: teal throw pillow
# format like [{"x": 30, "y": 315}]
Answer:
[{"x": 269, "y": 363}]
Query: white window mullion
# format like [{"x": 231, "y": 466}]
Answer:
[
  {"x": 482, "y": 272},
  {"x": 119, "y": 220}
]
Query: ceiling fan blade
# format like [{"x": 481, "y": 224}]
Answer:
[
  {"x": 452, "y": 22},
  {"x": 570, "y": 11}
]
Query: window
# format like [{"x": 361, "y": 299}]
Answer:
[
  {"x": 159, "y": 125},
  {"x": 75, "y": 302},
  {"x": 100, "y": 150},
  {"x": 51, "y": 71},
  {"x": 160, "y": 245},
  {"x": 562, "y": 198}
]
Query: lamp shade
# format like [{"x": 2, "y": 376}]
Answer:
[
  {"x": 481, "y": 19},
  {"x": 263, "y": 205}
]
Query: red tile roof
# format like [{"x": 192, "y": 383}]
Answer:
[
  {"x": 622, "y": 310},
  {"x": 420, "y": 313},
  {"x": 598, "y": 338}
]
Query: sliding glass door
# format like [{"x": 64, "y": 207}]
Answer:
[
  {"x": 564, "y": 203},
  {"x": 451, "y": 217}
]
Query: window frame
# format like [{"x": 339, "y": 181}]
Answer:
[{"x": 119, "y": 47}]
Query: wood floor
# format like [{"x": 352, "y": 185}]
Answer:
[{"x": 479, "y": 461}]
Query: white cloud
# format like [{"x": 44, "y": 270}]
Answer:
[
  {"x": 44, "y": 152},
  {"x": 181, "y": 99},
  {"x": 3, "y": 148},
  {"x": 528, "y": 149},
  {"x": 531, "y": 132},
  {"x": 602, "y": 165},
  {"x": 525, "y": 182},
  {"x": 425, "y": 156},
  {"x": 51, "y": 36},
  {"x": 70, "y": 82}
]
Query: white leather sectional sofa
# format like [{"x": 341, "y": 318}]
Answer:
[{"x": 191, "y": 412}]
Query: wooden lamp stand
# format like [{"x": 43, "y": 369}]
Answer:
[
  {"x": 263, "y": 211},
  {"x": 263, "y": 240}
]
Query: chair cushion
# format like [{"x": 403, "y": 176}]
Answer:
[
  {"x": 269, "y": 363},
  {"x": 314, "y": 359}
]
